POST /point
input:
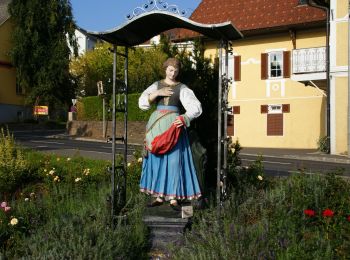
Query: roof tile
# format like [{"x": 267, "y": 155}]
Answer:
[{"x": 254, "y": 14}]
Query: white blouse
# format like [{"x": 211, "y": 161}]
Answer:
[{"x": 189, "y": 101}]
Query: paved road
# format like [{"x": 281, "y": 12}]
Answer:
[
  {"x": 283, "y": 166},
  {"x": 46, "y": 142},
  {"x": 276, "y": 162}
]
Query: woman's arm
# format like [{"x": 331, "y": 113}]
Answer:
[{"x": 191, "y": 104}]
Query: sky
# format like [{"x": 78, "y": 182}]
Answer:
[{"x": 103, "y": 15}]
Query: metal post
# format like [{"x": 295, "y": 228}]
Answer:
[
  {"x": 113, "y": 201},
  {"x": 225, "y": 103},
  {"x": 126, "y": 63},
  {"x": 104, "y": 116},
  {"x": 218, "y": 180}
]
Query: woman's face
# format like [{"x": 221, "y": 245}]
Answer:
[{"x": 171, "y": 72}]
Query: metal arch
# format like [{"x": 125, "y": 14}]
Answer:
[{"x": 155, "y": 5}]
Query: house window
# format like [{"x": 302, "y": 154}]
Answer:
[
  {"x": 275, "y": 64},
  {"x": 234, "y": 66}
]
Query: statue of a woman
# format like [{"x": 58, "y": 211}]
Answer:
[{"x": 168, "y": 171}]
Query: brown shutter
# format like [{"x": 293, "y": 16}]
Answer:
[
  {"x": 230, "y": 125},
  {"x": 236, "y": 110},
  {"x": 286, "y": 108},
  {"x": 237, "y": 68},
  {"x": 264, "y": 66},
  {"x": 263, "y": 109},
  {"x": 274, "y": 124},
  {"x": 286, "y": 64}
]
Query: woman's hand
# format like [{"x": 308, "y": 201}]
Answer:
[
  {"x": 165, "y": 92},
  {"x": 178, "y": 122}
]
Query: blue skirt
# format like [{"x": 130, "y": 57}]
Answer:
[{"x": 171, "y": 175}]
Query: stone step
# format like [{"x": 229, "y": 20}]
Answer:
[{"x": 166, "y": 227}]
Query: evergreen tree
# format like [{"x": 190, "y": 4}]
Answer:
[{"x": 40, "y": 51}]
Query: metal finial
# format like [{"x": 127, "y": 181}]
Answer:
[{"x": 160, "y": 5}]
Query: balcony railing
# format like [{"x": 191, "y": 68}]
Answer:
[{"x": 309, "y": 60}]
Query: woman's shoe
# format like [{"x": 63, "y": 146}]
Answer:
[
  {"x": 155, "y": 203},
  {"x": 175, "y": 205}
]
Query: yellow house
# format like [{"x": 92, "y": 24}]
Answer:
[
  {"x": 278, "y": 92},
  {"x": 339, "y": 85},
  {"x": 11, "y": 96}
]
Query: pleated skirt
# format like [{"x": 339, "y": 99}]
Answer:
[{"x": 171, "y": 175}]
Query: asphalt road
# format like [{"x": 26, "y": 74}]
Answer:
[
  {"x": 284, "y": 166},
  {"x": 42, "y": 141},
  {"x": 273, "y": 164}
]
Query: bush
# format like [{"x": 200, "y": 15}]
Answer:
[
  {"x": 90, "y": 108},
  {"x": 15, "y": 170},
  {"x": 76, "y": 225},
  {"x": 303, "y": 216}
]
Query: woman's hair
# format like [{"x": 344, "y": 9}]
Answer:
[{"x": 172, "y": 62}]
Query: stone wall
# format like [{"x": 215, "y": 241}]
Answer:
[{"x": 93, "y": 130}]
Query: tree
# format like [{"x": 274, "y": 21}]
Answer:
[
  {"x": 40, "y": 51},
  {"x": 145, "y": 67}
]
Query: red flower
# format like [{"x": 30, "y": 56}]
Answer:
[
  {"x": 309, "y": 212},
  {"x": 348, "y": 218},
  {"x": 328, "y": 213}
]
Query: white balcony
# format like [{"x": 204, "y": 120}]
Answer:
[{"x": 309, "y": 64}]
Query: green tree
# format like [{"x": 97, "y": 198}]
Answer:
[
  {"x": 40, "y": 49},
  {"x": 145, "y": 67}
]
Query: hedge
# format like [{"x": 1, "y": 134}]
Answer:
[{"x": 90, "y": 109}]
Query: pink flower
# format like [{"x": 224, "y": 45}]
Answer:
[
  {"x": 7, "y": 209},
  {"x": 309, "y": 212},
  {"x": 328, "y": 213},
  {"x": 3, "y": 204}
]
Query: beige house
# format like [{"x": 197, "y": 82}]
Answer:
[
  {"x": 11, "y": 95},
  {"x": 278, "y": 70}
]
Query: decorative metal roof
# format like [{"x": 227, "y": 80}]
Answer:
[{"x": 149, "y": 24}]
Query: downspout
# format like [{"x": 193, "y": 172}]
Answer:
[
  {"x": 348, "y": 79},
  {"x": 328, "y": 116}
]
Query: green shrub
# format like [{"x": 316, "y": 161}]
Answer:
[
  {"x": 76, "y": 225},
  {"x": 323, "y": 144},
  {"x": 90, "y": 108},
  {"x": 15, "y": 170},
  {"x": 272, "y": 223}
]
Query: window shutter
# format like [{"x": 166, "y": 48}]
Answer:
[
  {"x": 237, "y": 68},
  {"x": 264, "y": 66},
  {"x": 230, "y": 125},
  {"x": 275, "y": 124},
  {"x": 286, "y": 108},
  {"x": 286, "y": 64},
  {"x": 263, "y": 109},
  {"x": 236, "y": 110}
]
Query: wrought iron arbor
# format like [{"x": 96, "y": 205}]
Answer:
[{"x": 160, "y": 18}]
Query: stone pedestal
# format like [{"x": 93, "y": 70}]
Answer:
[{"x": 166, "y": 226}]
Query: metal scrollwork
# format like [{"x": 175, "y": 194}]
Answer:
[{"x": 155, "y": 5}]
